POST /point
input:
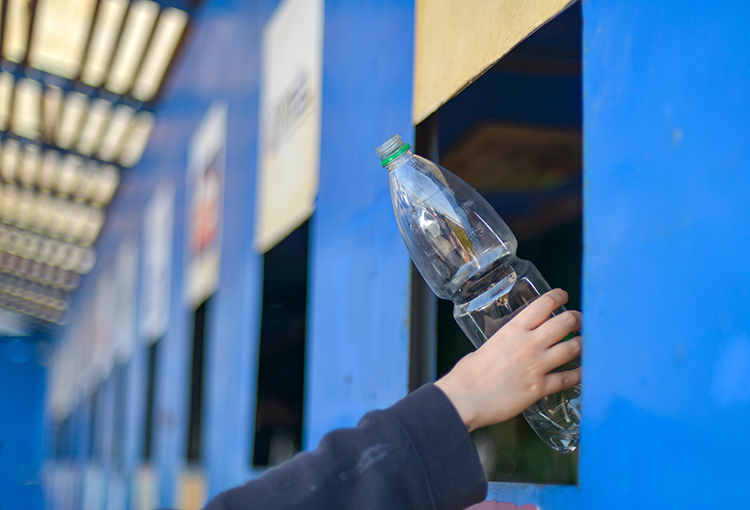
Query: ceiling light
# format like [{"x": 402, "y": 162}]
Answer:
[
  {"x": 70, "y": 257},
  {"x": 60, "y": 218},
  {"x": 116, "y": 134},
  {"x": 69, "y": 174},
  {"x": 97, "y": 119},
  {"x": 86, "y": 260},
  {"x": 6, "y": 97},
  {"x": 31, "y": 158},
  {"x": 25, "y": 208},
  {"x": 61, "y": 29},
  {"x": 49, "y": 170},
  {"x": 3, "y": 205},
  {"x": 163, "y": 44},
  {"x": 43, "y": 211},
  {"x": 103, "y": 39},
  {"x": 45, "y": 250},
  {"x": 106, "y": 185},
  {"x": 72, "y": 117},
  {"x": 93, "y": 226},
  {"x": 10, "y": 159},
  {"x": 53, "y": 98},
  {"x": 16, "y": 30},
  {"x": 29, "y": 243},
  {"x": 77, "y": 225},
  {"x": 137, "y": 140},
  {"x": 87, "y": 184},
  {"x": 10, "y": 192},
  {"x": 135, "y": 36},
  {"x": 26, "y": 108}
]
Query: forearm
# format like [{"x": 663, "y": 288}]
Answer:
[{"x": 414, "y": 455}]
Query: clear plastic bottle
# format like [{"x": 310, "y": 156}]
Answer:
[{"x": 467, "y": 254}]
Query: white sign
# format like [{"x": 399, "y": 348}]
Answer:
[
  {"x": 205, "y": 201},
  {"x": 156, "y": 280},
  {"x": 290, "y": 112}
]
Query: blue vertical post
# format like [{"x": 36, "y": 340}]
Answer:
[
  {"x": 358, "y": 340},
  {"x": 22, "y": 383},
  {"x": 666, "y": 285}
]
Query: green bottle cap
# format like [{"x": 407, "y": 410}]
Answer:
[{"x": 396, "y": 154}]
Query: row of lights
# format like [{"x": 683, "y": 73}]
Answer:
[
  {"x": 34, "y": 292},
  {"x": 54, "y": 216},
  {"x": 73, "y": 121},
  {"x": 36, "y": 310},
  {"x": 52, "y": 171},
  {"x": 42, "y": 249},
  {"x": 35, "y": 271},
  {"x": 76, "y": 78},
  {"x": 122, "y": 46}
]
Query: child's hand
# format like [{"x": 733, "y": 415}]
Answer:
[{"x": 512, "y": 370}]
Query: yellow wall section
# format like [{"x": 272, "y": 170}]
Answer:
[{"x": 457, "y": 41}]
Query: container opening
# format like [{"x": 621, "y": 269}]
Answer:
[
  {"x": 281, "y": 358},
  {"x": 515, "y": 135}
]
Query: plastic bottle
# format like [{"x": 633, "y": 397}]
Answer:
[{"x": 466, "y": 253}]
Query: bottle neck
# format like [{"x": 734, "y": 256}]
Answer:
[
  {"x": 400, "y": 160},
  {"x": 392, "y": 150}
]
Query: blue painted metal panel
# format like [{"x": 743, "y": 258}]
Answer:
[
  {"x": 22, "y": 383},
  {"x": 233, "y": 357},
  {"x": 357, "y": 346},
  {"x": 545, "y": 497},
  {"x": 666, "y": 286}
]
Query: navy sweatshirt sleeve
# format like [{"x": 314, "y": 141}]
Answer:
[{"x": 416, "y": 454}]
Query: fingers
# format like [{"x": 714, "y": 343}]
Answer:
[
  {"x": 558, "y": 381},
  {"x": 540, "y": 309},
  {"x": 562, "y": 353},
  {"x": 558, "y": 327}
]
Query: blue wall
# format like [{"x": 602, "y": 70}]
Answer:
[
  {"x": 357, "y": 351},
  {"x": 666, "y": 217},
  {"x": 22, "y": 382},
  {"x": 358, "y": 322},
  {"x": 666, "y": 285}
]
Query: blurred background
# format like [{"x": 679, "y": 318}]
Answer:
[{"x": 201, "y": 274}]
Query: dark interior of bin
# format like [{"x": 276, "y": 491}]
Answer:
[{"x": 515, "y": 135}]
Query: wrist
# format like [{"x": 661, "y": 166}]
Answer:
[{"x": 461, "y": 404}]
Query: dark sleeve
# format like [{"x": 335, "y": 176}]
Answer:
[{"x": 416, "y": 454}]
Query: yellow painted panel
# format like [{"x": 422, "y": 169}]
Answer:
[
  {"x": 457, "y": 41},
  {"x": 192, "y": 491}
]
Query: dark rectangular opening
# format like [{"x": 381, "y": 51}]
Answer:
[
  {"x": 118, "y": 423},
  {"x": 423, "y": 306},
  {"x": 196, "y": 383},
  {"x": 62, "y": 439},
  {"x": 95, "y": 453},
  {"x": 281, "y": 360},
  {"x": 515, "y": 135},
  {"x": 148, "y": 425}
]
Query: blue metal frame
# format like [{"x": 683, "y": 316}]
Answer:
[
  {"x": 666, "y": 282},
  {"x": 357, "y": 351}
]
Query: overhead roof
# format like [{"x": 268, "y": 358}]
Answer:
[{"x": 78, "y": 83}]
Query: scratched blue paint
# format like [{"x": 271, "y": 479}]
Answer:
[
  {"x": 666, "y": 285},
  {"x": 546, "y": 497}
]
